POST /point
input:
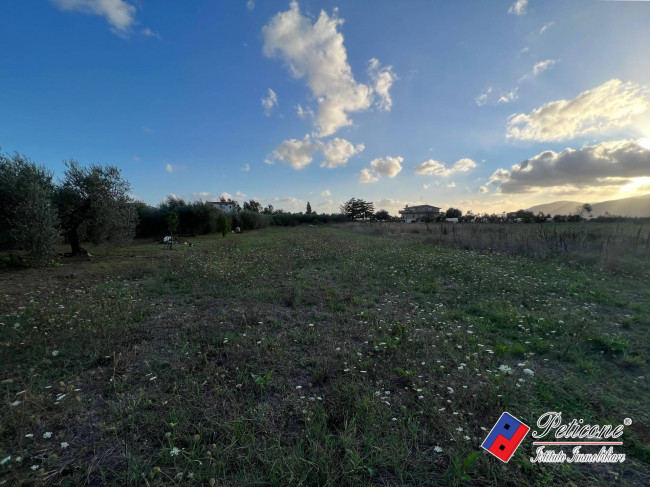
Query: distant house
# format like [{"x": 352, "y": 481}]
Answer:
[
  {"x": 225, "y": 206},
  {"x": 451, "y": 220},
  {"x": 412, "y": 214}
]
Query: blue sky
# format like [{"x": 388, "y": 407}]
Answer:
[{"x": 486, "y": 106}]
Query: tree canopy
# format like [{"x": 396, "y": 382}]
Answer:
[
  {"x": 93, "y": 203},
  {"x": 28, "y": 219},
  {"x": 356, "y": 208}
]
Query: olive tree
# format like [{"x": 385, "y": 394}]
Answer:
[
  {"x": 94, "y": 204},
  {"x": 28, "y": 219}
]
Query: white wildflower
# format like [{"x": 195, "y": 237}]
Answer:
[
  {"x": 505, "y": 369},
  {"x": 174, "y": 451}
]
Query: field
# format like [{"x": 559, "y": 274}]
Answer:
[{"x": 319, "y": 356}]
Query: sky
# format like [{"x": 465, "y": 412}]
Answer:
[{"x": 484, "y": 106}]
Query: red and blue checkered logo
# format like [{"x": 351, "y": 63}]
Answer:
[{"x": 505, "y": 437}]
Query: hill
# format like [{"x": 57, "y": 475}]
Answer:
[{"x": 635, "y": 206}]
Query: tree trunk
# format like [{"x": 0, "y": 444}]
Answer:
[{"x": 73, "y": 239}]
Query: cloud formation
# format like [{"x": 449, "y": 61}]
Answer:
[
  {"x": 546, "y": 26},
  {"x": 338, "y": 152},
  {"x": 119, "y": 14},
  {"x": 366, "y": 176},
  {"x": 612, "y": 104},
  {"x": 296, "y": 153},
  {"x": 518, "y": 8},
  {"x": 270, "y": 102},
  {"x": 300, "y": 153},
  {"x": 539, "y": 68},
  {"x": 606, "y": 164},
  {"x": 316, "y": 52},
  {"x": 389, "y": 166},
  {"x": 150, "y": 33},
  {"x": 483, "y": 97},
  {"x": 436, "y": 168},
  {"x": 383, "y": 79}
]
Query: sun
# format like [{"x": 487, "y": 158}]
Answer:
[{"x": 644, "y": 142}]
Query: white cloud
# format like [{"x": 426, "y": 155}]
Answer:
[
  {"x": 546, "y": 26},
  {"x": 393, "y": 206},
  {"x": 489, "y": 95},
  {"x": 518, "y": 8},
  {"x": 389, "y": 166},
  {"x": 436, "y": 168},
  {"x": 338, "y": 152},
  {"x": 270, "y": 102},
  {"x": 209, "y": 196},
  {"x": 463, "y": 165},
  {"x": 286, "y": 203},
  {"x": 325, "y": 193},
  {"x": 173, "y": 167},
  {"x": 538, "y": 68},
  {"x": 118, "y": 13},
  {"x": 510, "y": 96},
  {"x": 451, "y": 185},
  {"x": 383, "y": 79},
  {"x": 300, "y": 153},
  {"x": 612, "y": 104},
  {"x": 150, "y": 33},
  {"x": 316, "y": 52},
  {"x": 542, "y": 66},
  {"x": 137, "y": 158},
  {"x": 432, "y": 168},
  {"x": 304, "y": 113},
  {"x": 483, "y": 97},
  {"x": 609, "y": 164},
  {"x": 366, "y": 176},
  {"x": 296, "y": 153},
  {"x": 327, "y": 206},
  {"x": 246, "y": 168},
  {"x": 250, "y": 5}
]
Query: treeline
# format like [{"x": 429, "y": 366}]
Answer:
[
  {"x": 88, "y": 204},
  {"x": 93, "y": 204},
  {"x": 201, "y": 218}
]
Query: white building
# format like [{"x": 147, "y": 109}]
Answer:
[
  {"x": 225, "y": 206},
  {"x": 412, "y": 214}
]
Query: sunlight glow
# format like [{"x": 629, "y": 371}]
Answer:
[{"x": 644, "y": 142}]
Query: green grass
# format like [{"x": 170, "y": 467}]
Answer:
[{"x": 314, "y": 356}]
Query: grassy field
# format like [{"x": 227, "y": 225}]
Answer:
[{"x": 315, "y": 356}]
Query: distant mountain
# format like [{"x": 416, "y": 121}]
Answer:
[{"x": 634, "y": 206}]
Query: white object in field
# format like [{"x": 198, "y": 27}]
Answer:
[
  {"x": 167, "y": 239},
  {"x": 451, "y": 220}
]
